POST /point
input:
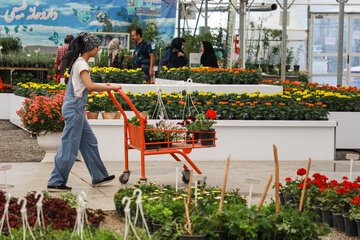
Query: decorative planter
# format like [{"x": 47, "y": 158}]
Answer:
[
  {"x": 192, "y": 237},
  {"x": 327, "y": 217},
  {"x": 92, "y": 115},
  {"x": 318, "y": 214},
  {"x": 350, "y": 226},
  {"x": 106, "y": 115},
  {"x": 347, "y": 130},
  {"x": 340, "y": 224},
  {"x": 208, "y": 134},
  {"x": 50, "y": 142},
  {"x": 289, "y": 198},
  {"x": 117, "y": 115}
]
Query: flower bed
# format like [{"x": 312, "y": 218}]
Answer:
[
  {"x": 164, "y": 207},
  {"x": 117, "y": 75},
  {"x": 212, "y": 75},
  {"x": 26, "y": 89}
]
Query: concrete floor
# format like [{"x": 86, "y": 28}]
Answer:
[{"x": 33, "y": 176}]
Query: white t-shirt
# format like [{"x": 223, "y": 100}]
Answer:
[{"x": 79, "y": 65}]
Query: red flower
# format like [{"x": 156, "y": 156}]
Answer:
[
  {"x": 210, "y": 114},
  {"x": 342, "y": 190},
  {"x": 316, "y": 175},
  {"x": 323, "y": 177},
  {"x": 301, "y": 172},
  {"x": 301, "y": 185},
  {"x": 288, "y": 179},
  {"x": 280, "y": 185},
  {"x": 344, "y": 178},
  {"x": 358, "y": 179}
]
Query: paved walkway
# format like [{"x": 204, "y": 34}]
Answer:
[{"x": 25, "y": 177}]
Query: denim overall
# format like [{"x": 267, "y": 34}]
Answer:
[{"x": 76, "y": 135}]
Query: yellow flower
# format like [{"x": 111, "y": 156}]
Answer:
[
  {"x": 298, "y": 99},
  {"x": 90, "y": 100}
]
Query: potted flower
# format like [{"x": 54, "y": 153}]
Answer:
[
  {"x": 174, "y": 136},
  {"x": 354, "y": 212},
  {"x": 107, "y": 105},
  {"x": 203, "y": 124},
  {"x": 93, "y": 107},
  {"x": 42, "y": 116},
  {"x": 188, "y": 124}
]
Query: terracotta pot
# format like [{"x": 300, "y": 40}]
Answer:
[
  {"x": 92, "y": 115},
  {"x": 108, "y": 115},
  {"x": 117, "y": 115}
]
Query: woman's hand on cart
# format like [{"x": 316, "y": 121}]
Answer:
[{"x": 113, "y": 86}]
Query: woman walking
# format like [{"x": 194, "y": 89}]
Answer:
[{"x": 77, "y": 134}]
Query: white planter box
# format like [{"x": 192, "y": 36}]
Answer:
[
  {"x": 244, "y": 140},
  {"x": 15, "y": 105},
  {"x": 347, "y": 130},
  {"x": 177, "y": 86},
  {"x": 5, "y": 105}
]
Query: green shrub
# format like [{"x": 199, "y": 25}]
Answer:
[{"x": 10, "y": 44}]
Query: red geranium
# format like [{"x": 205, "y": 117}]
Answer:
[
  {"x": 301, "y": 185},
  {"x": 301, "y": 172},
  {"x": 358, "y": 179},
  {"x": 210, "y": 114},
  {"x": 344, "y": 178},
  {"x": 288, "y": 179},
  {"x": 316, "y": 175}
]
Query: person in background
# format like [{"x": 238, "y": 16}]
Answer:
[
  {"x": 143, "y": 56},
  {"x": 113, "y": 50},
  {"x": 208, "y": 58},
  {"x": 60, "y": 54},
  {"x": 174, "y": 56},
  {"x": 77, "y": 134}
]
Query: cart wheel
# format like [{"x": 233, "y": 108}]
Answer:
[
  {"x": 186, "y": 176},
  {"x": 124, "y": 178}
]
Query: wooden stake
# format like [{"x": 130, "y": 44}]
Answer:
[
  {"x": 188, "y": 227},
  {"x": 224, "y": 183},
  {"x": 304, "y": 187},
  {"x": 277, "y": 198},
  {"x": 190, "y": 184},
  {"x": 264, "y": 193}
]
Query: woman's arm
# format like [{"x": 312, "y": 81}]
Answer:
[{"x": 85, "y": 76}]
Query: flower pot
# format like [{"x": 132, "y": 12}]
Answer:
[
  {"x": 318, "y": 214},
  {"x": 327, "y": 217},
  {"x": 192, "y": 237},
  {"x": 296, "y": 68},
  {"x": 357, "y": 221},
  {"x": 350, "y": 226},
  {"x": 108, "y": 115},
  {"x": 282, "y": 200},
  {"x": 340, "y": 224},
  {"x": 209, "y": 134},
  {"x": 92, "y": 115},
  {"x": 94, "y": 227},
  {"x": 49, "y": 142},
  {"x": 334, "y": 222},
  {"x": 117, "y": 115},
  {"x": 297, "y": 203},
  {"x": 120, "y": 210},
  {"x": 156, "y": 226},
  {"x": 165, "y": 145},
  {"x": 220, "y": 235},
  {"x": 289, "y": 198},
  {"x": 153, "y": 146}
]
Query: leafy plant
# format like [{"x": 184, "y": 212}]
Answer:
[{"x": 10, "y": 44}]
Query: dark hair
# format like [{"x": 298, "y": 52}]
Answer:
[
  {"x": 76, "y": 48},
  {"x": 68, "y": 39},
  {"x": 208, "y": 48},
  {"x": 138, "y": 31}
]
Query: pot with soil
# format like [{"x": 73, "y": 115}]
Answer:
[
  {"x": 327, "y": 217},
  {"x": 282, "y": 200},
  {"x": 340, "y": 224},
  {"x": 357, "y": 221},
  {"x": 318, "y": 214},
  {"x": 153, "y": 146},
  {"x": 350, "y": 226},
  {"x": 209, "y": 135},
  {"x": 289, "y": 198},
  {"x": 92, "y": 115}
]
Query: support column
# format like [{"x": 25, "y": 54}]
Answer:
[
  {"x": 340, "y": 41},
  {"x": 284, "y": 41}
]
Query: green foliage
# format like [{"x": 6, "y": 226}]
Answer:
[
  {"x": 10, "y": 44},
  {"x": 101, "y": 59}
]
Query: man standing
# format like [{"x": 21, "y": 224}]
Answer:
[
  {"x": 60, "y": 54},
  {"x": 143, "y": 55}
]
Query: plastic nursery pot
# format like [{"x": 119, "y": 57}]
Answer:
[
  {"x": 289, "y": 198},
  {"x": 120, "y": 210},
  {"x": 318, "y": 214},
  {"x": 334, "y": 222},
  {"x": 327, "y": 217},
  {"x": 282, "y": 200},
  {"x": 153, "y": 146},
  {"x": 357, "y": 221},
  {"x": 350, "y": 226},
  {"x": 207, "y": 135},
  {"x": 297, "y": 203},
  {"x": 92, "y": 115},
  {"x": 192, "y": 237},
  {"x": 108, "y": 115},
  {"x": 339, "y": 220}
]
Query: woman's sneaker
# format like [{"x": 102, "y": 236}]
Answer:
[
  {"x": 59, "y": 188},
  {"x": 104, "y": 181}
]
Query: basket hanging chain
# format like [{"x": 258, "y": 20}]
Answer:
[
  {"x": 160, "y": 110},
  {"x": 188, "y": 99}
]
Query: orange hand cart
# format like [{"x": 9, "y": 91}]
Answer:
[{"x": 134, "y": 138}]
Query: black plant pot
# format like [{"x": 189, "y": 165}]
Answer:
[
  {"x": 289, "y": 198},
  {"x": 296, "y": 68},
  {"x": 350, "y": 226},
  {"x": 192, "y": 237},
  {"x": 318, "y": 214},
  {"x": 120, "y": 210},
  {"x": 327, "y": 217},
  {"x": 153, "y": 146},
  {"x": 207, "y": 135},
  {"x": 357, "y": 221},
  {"x": 165, "y": 145},
  {"x": 220, "y": 235},
  {"x": 282, "y": 200},
  {"x": 297, "y": 203},
  {"x": 94, "y": 227},
  {"x": 156, "y": 226},
  {"x": 340, "y": 224},
  {"x": 334, "y": 222}
]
